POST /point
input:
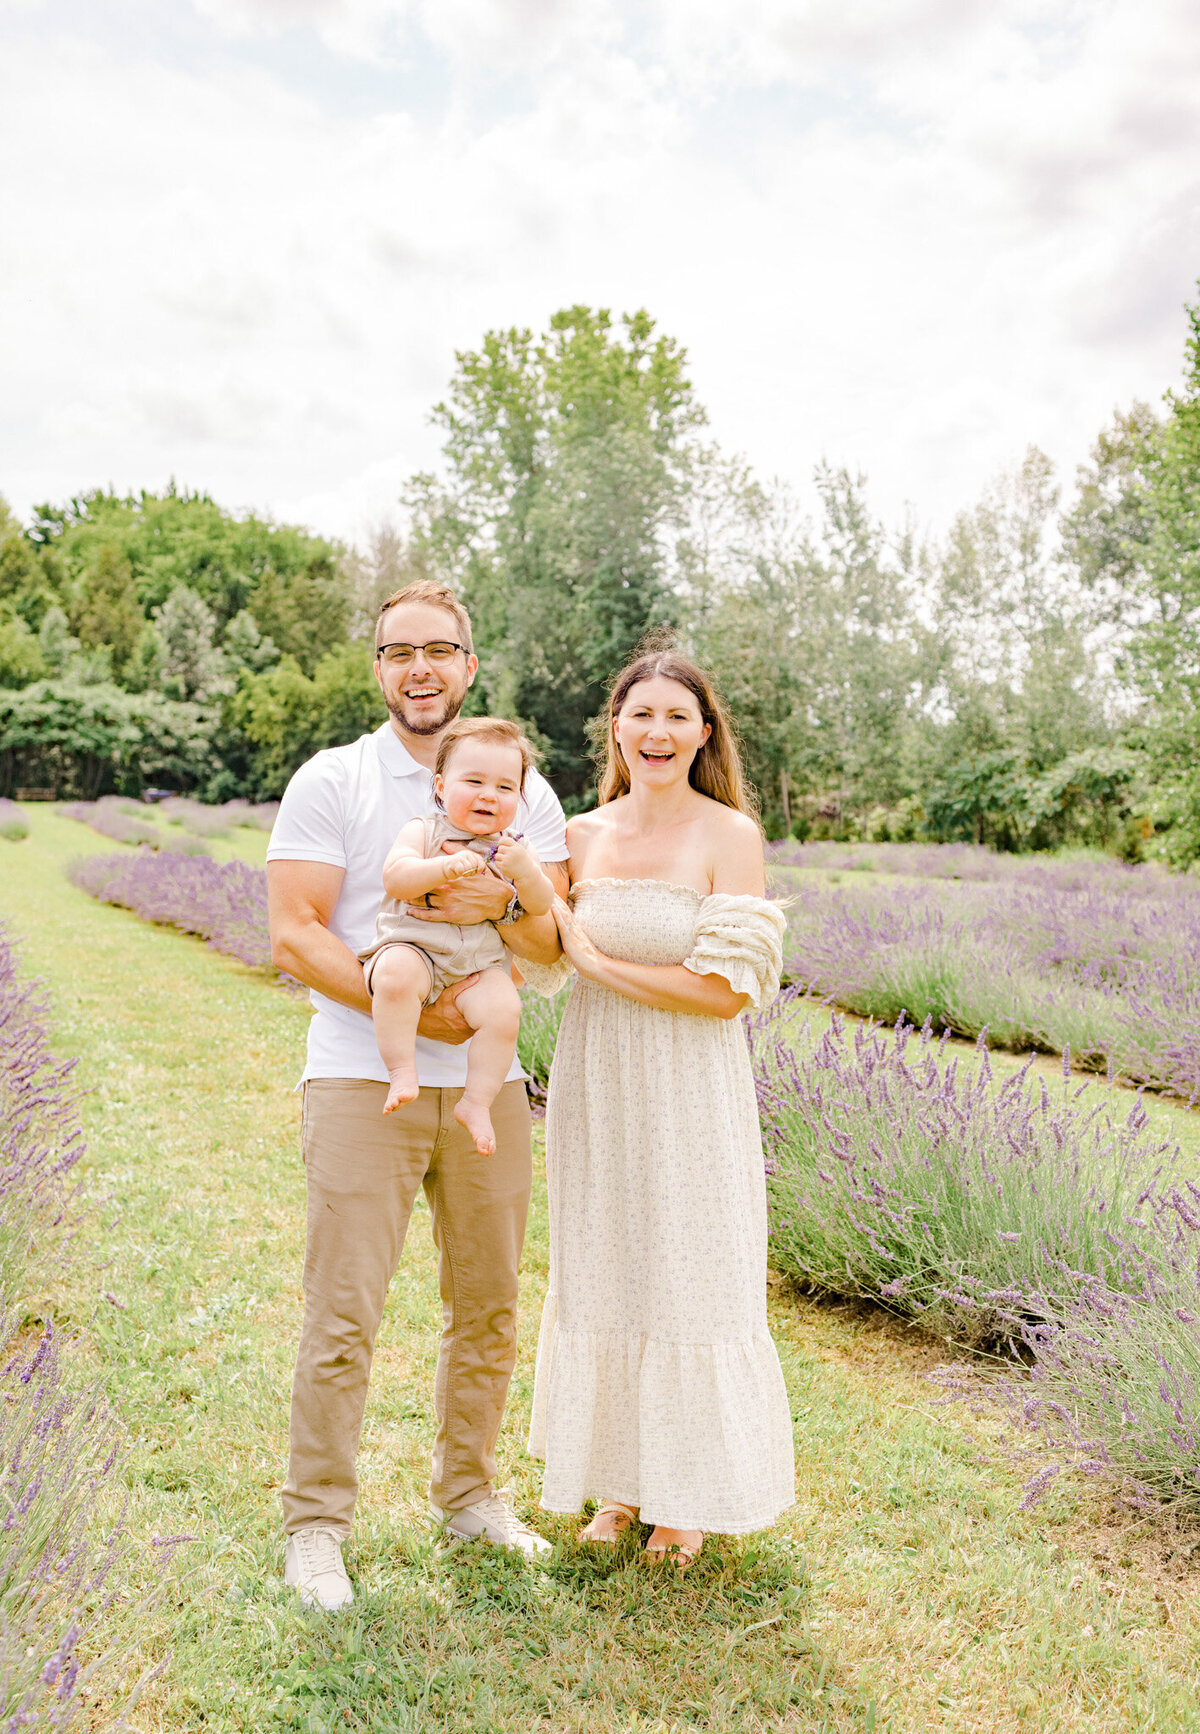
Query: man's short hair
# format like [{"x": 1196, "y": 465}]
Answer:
[
  {"x": 493, "y": 729},
  {"x": 433, "y": 595}
]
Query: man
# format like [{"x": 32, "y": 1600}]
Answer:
[{"x": 339, "y": 817}]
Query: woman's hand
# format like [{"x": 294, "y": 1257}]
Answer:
[{"x": 575, "y": 942}]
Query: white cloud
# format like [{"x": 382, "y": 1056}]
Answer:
[{"x": 910, "y": 236}]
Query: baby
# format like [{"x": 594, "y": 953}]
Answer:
[{"x": 481, "y": 767}]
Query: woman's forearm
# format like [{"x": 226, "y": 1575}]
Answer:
[
  {"x": 534, "y": 937},
  {"x": 669, "y": 987}
]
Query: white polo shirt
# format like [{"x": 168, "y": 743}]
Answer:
[{"x": 345, "y": 808}]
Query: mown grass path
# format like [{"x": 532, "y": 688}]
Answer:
[{"x": 906, "y": 1590}]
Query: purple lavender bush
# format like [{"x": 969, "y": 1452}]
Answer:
[
  {"x": 41, "y": 1142},
  {"x": 61, "y": 1539},
  {"x": 226, "y": 905},
  {"x": 898, "y": 1174},
  {"x": 195, "y": 817},
  {"x": 973, "y": 863},
  {"x": 1113, "y": 1383},
  {"x": 14, "y": 826},
  {"x": 1114, "y": 1380},
  {"x": 252, "y": 815},
  {"x": 60, "y": 1564}
]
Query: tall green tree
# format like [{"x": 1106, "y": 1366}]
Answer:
[
  {"x": 1165, "y": 654},
  {"x": 566, "y": 459},
  {"x": 814, "y": 639},
  {"x": 108, "y": 613},
  {"x": 1134, "y": 537}
]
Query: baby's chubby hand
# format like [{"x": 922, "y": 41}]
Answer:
[
  {"x": 462, "y": 864},
  {"x": 512, "y": 859}
]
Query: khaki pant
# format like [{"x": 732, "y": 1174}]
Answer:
[{"x": 363, "y": 1170}]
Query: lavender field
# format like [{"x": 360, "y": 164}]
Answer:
[
  {"x": 1081, "y": 955},
  {"x": 1039, "y": 1225},
  {"x": 996, "y": 1212}
]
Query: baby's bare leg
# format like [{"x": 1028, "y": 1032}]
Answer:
[
  {"x": 493, "y": 1009},
  {"x": 399, "y": 983}
]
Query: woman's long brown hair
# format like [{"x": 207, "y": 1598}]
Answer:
[{"x": 716, "y": 770}]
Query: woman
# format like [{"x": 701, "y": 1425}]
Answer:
[{"x": 658, "y": 1387}]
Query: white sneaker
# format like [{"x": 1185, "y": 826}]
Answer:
[
  {"x": 492, "y": 1519},
  {"x": 313, "y": 1567}
]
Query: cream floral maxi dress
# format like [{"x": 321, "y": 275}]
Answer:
[{"x": 657, "y": 1380}]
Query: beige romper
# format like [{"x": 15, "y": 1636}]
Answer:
[{"x": 450, "y": 951}]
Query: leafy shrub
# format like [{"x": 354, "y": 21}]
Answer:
[
  {"x": 281, "y": 717},
  {"x": 81, "y": 739}
]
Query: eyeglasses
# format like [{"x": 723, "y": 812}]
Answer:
[{"x": 397, "y": 655}]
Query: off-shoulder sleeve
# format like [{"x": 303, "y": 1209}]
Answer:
[
  {"x": 546, "y": 979},
  {"x": 740, "y": 938}
]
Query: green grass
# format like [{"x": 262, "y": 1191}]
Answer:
[{"x": 906, "y": 1591}]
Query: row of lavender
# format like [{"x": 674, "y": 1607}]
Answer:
[
  {"x": 1082, "y": 956},
  {"x": 1011, "y": 1217},
  {"x": 62, "y": 1543},
  {"x": 225, "y": 904},
  {"x": 126, "y": 821}
]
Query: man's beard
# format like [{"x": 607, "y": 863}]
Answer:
[{"x": 428, "y": 725}]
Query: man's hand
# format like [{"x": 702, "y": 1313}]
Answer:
[
  {"x": 442, "y": 1021},
  {"x": 483, "y": 897}
]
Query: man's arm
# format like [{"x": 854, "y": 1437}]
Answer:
[{"x": 301, "y": 899}]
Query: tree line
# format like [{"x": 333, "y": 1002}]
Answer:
[{"x": 1028, "y": 680}]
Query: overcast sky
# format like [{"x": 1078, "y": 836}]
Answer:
[{"x": 242, "y": 239}]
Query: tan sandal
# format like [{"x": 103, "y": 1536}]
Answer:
[
  {"x": 679, "y": 1553},
  {"x": 626, "y": 1516}
]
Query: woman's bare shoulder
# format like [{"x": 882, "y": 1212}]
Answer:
[
  {"x": 730, "y": 824},
  {"x": 584, "y": 831},
  {"x": 737, "y": 851},
  {"x": 582, "y": 826}
]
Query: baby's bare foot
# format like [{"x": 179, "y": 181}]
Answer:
[
  {"x": 478, "y": 1122},
  {"x": 403, "y": 1086}
]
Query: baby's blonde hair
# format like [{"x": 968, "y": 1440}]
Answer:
[{"x": 493, "y": 729}]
